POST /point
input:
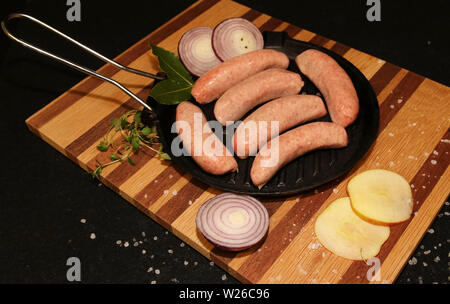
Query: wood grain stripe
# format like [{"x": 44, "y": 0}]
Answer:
[
  {"x": 270, "y": 24},
  {"x": 170, "y": 211},
  {"x": 257, "y": 264},
  {"x": 423, "y": 177},
  {"x": 399, "y": 96},
  {"x": 90, "y": 83},
  {"x": 319, "y": 40},
  {"x": 340, "y": 48},
  {"x": 292, "y": 30},
  {"x": 251, "y": 15},
  {"x": 157, "y": 186},
  {"x": 382, "y": 77}
]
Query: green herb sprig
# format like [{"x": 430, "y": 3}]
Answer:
[{"x": 135, "y": 135}]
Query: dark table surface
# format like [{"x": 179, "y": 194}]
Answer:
[{"x": 45, "y": 198}]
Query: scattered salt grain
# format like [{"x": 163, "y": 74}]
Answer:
[
  {"x": 153, "y": 282},
  {"x": 186, "y": 263},
  {"x": 126, "y": 244},
  {"x": 118, "y": 242},
  {"x": 83, "y": 221},
  {"x": 190, "y": 203},
  {"x": 144, "y": 251},
  {"x": 391, "y": 164},
  {"x": 150, "y": 269},
  {"x": 211, "y": 263},
  {"x": 430, "y": 231},
  {"x": 224, "y": 277},
  {"x": 166, "y": 192},
  {"x": 399, "y": 100},
  {"x": 155, "y": 238},
  {"x": 297, "y": 200},
  {"x": 412, "y": 261},
  {"x": 174, "y": 192},
  {"x": 391, "y": 134},
  {"x": 433, "y": 162},
  {"x": 279, "y": 277},
  {"x": 135, "y": 244},
  {"x": 335, "y": 191},
  {"x": 391, "y": 106},
  {"x": 170, "y": 251},
  {"x": 425, "y": 264},
  {"x": 334, "y": 271},
  {"x": 437, "y": 259},
  {"x": 426, "y": 252},
  {"x": 93, "y": 236},
  {"x": 170, "y": 176},
  {"x": 157, "y": 271},
  {"x": 182, "y": 244},
  {"x": 145, "y": 196}
]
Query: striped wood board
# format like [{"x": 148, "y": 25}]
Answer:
[{"x": 413, "y": 141}]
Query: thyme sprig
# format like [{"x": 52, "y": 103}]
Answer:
[{"x": 134, "y": 135}]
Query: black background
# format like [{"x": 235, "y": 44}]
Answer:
[{"x": 44, "y": 195}]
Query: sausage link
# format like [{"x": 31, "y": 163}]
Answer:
[
  {"x": 288, "y": 111},
  {"x": 333, "y": 82},
  {"x": 214, "y": 83},
  {"x": 293, "y": 144},
  {"x": 259, "y": 88},
  {"x": 211, "y": 162}
]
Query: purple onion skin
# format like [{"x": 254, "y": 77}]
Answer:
[
  {"x": 235, "y": 249},
  {"x": 227, "y": 248}
]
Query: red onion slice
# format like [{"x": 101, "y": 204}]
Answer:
[
  {"x": 233, "y": 222},
  {"x": 195, "y": 51},
  {"x": 234, "y": 37}
]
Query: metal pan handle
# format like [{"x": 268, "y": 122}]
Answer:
[{"x": 77, "y": 66}]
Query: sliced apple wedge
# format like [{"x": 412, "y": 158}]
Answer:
[
  {"x": 381, "y": 197},
  {"x": 345, "y": 234}
]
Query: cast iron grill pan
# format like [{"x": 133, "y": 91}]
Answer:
[{"x": 306, "y": 172}]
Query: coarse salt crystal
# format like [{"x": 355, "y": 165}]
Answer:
[
  {"x": 433, "y": 162},
  {"x": 157, "y": 271},
  {"x": 166, "y": 192},
  {"x": 150, "y": 269},
  {"x": 93, "y": 236},
  {"x": 426, "y": 252},
  {"x": 145, "y": 196},
  {"x": 186, "y": 263},
  {"x": 391, "y": 106},
  {"x": 144, "y": 251},
  {"x": 430, "y": 231},
  {"x": 153, "y": 282},
  {"x": 335, "y": 191},
  {"x": 224, "y": 277},
  {"x": 83, "y": 221},
  {"x": 126, "y": 244},
  {"x": 174, "y": 192},
  {"x": 170, "y": 251},
  {"x": 412, "y": 261}
]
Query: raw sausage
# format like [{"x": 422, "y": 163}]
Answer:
[
  {"x": 212, "y": 156},
  {"x": 259, "y": 88},
  {"x": 288, "y": 111},
  {"x": 214, "y": 83},
  {"x": 293, "y": 144},
  {"x": 333, "y": 82}
]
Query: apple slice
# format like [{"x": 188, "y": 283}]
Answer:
[
  {"x": 345, "y": 234},
  {"x": 381, "y": 197}
]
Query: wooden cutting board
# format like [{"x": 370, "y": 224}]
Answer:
[{"x": 413, "y": 141}]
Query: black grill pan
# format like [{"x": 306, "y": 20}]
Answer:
[{"x": 308, "y": 171}]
